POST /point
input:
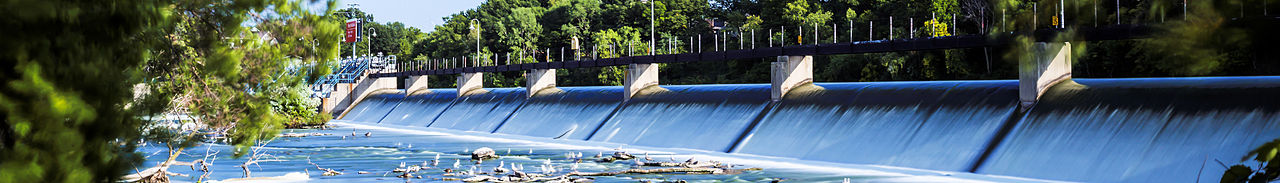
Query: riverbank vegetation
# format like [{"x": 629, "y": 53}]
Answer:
[{"x": 86, "y": 82}]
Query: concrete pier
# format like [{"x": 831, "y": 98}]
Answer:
[
  {"x": 468, "y": 82},
  {"x": 415, "y": 83},
  {"x": 639, "y": 76},
  {"x": 1048, "y": 64},
  {"x": 539, "y": 79},
  {"x": 346, "y": 96},
  {"x": 789, "y": 72}
]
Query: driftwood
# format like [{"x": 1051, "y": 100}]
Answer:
[
  {"x": 654, "y": 171},
  {"x": 327, "y": 171},
  {"x": 517, "y": 176},
  {"x": 301, "y": 134},
  {"x": 687, "y": 164},
  {"x": 617, "y": 156}
]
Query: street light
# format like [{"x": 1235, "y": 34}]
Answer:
[
  {"x": 372, "y": 33},
  {"x": 476, "y": 28},
  {"x": 652, "y": 36}
]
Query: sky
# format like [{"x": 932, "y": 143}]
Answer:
[{"x": 422, "y": 14}]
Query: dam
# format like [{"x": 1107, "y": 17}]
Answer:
[{"x": 1090, "y": 130}]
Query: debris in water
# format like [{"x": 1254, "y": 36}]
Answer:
[
  {"x": 301, "y": 134},
  {"x": 617, "y": 156}
]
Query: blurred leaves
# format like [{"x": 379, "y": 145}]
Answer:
[
  {"x": 1268, "y": 169},
  {"x": 1197, "y": 46},
  {"x": 66, "y": 74}
]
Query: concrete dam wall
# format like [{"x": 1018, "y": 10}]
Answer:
[{"x": 1092, "y": 130}]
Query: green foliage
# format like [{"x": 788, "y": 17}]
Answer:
[
  {"x": 1268, "y": 169},
  {"x": 297, "y": 107},
  {"x": 801, "y": 12},
  {"x": 245, "y": 80},
  {"x": 68, "y": 69},
  {"x": 1198, "y": 46},
  {"x": 936, "y": 29}
]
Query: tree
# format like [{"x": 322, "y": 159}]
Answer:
[
  {"x": 67, "y": 88},
  {"x": 239, "y": 81}
]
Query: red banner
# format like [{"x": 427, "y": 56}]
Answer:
[{"x": 353, "y": 30}]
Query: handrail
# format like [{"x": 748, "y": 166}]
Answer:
[{"x": 349, "y": 71}]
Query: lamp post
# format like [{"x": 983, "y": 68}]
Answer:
[
  {"x": 372, "y": 34},
  {"x": 476, "y": 28},
  {"x": 652, "y": 38}
]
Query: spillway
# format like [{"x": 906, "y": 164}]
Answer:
[
  {"x": 565, "y": 113},
  {"x": 932, "y": 125},
  {"x": 1092, "y": 130},
  {"x": 1141, "y": 130},
  {"x": 420, "y": 109},
  {"x": 710, "y": 117},
  {"x": 481, "y": 112}
]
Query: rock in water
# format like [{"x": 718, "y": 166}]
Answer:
[
  {"x": 484, "y": 153},
  {"x": 623, "y": 156}
]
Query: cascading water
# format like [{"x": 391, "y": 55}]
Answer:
[
  {"x": 706, "y": 117},
  {"x": 1100, "y": 130},
  {"x": 569, "y": 113},
  {"x": 421, "y": 109},
  {"x": 481, "y": 112},
  {"x": 931, "y": 125},
  {"x": 1141, "y": 130},
  {"x": 373, "y": 107}
]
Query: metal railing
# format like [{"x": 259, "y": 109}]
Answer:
[{"x": 351, "y": 71}]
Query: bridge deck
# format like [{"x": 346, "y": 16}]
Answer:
[{"x": 1115, "y": 32}]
